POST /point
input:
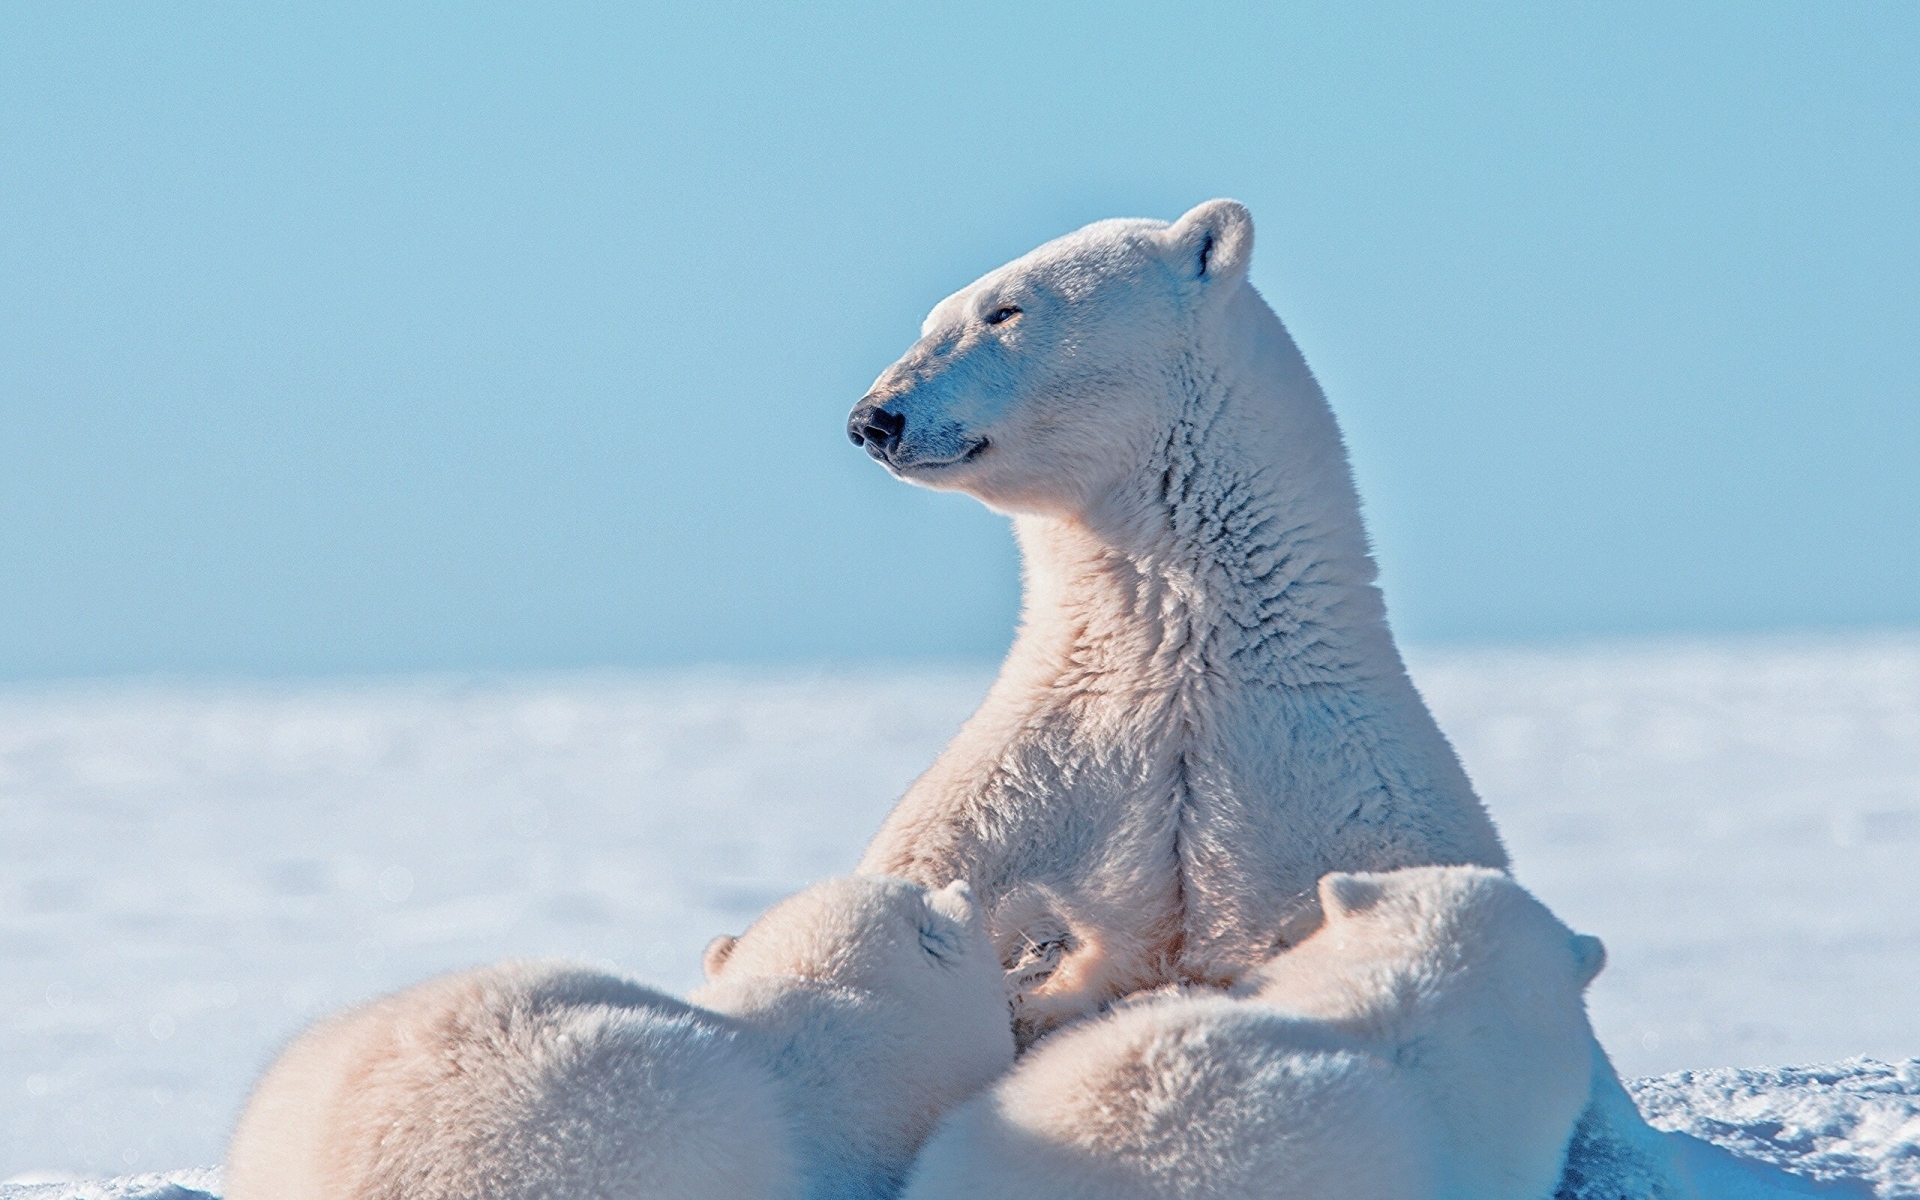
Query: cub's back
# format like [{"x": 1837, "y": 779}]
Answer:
[
  {"x": 1212, "y": 1097},
  {"x": 515, "y": 1083}
]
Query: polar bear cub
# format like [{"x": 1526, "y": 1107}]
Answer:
[
  {"x": 1429, "y": 1041},
  {"x": 825, "y": 1045}
]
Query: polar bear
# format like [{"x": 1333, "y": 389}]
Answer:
[
  {"x": 1204, "y": 710},
  {"x": 1429, "y": 1041},
  {"x": 824, "y": 1046}
]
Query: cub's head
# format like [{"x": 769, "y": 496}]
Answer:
[
  {"x": 1434, "y": 935},
  {"x": 917, "y": 960},
  {"x": 867, "y": 933},
  {"x": 1043, "y": 382},
  {"x": 1469, "y": 982}
]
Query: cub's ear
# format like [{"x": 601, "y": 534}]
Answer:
[
  {"x": 955, "y": 900},
  {"x": 946, "y": 922},
  {"x": 1343, "y": 895},
  {"x": 1214, "y": 241},
  {"x": 718, "y": 951},
  {"x": 1589, "y": 955}
]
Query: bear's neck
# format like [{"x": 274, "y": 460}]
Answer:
[{"x": 1237, "y": 555}]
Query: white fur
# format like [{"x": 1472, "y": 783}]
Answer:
[
  {"x": 827, "y": 1042},
  {"x": 1430, "y": 1041},
  {"x": 1204, "y": 710}
]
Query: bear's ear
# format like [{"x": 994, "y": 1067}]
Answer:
[
  {"x": 1589, "y": 955},
  {"x": 946, "y": 921},
  {"x": 718, "y": 951},
  {"x": 1214, "y": 242},
  {"x": 1343, "y": 895}
]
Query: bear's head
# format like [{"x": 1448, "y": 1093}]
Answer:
[{"x": 1044, "y": 382}]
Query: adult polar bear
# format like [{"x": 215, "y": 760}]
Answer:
[{"x": 1204, "y": 711}]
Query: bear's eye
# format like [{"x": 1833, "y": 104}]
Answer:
[{"x": 1002, "y": 314}]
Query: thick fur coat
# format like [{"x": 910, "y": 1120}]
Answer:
[
  {"x": 1203, "y": 711},
  {"x": 825, "y": 1045},
  {"x": 1429, "y": 1042}
]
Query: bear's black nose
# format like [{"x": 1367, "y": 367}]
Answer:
[{"x": 875, "y": 428}]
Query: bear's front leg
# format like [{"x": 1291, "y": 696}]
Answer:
[{"x": 1615, "y": 1154}]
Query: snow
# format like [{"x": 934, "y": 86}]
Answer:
[
  {"x": 189, "y": 872},
  {"x": 1855, "y": 1121},
  {"x": 196, "y": 1184},
  {"x": 1739, "y": 821}
]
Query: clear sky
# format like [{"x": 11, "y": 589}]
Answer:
[{"x": 389, "y": 337}]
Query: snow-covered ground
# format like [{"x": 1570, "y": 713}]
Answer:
[{"x": 192, "y": 872}]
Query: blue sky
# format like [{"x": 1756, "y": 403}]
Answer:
[{"x": 355, "y": 338}]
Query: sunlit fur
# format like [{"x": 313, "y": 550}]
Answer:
[
  {"x": 827, "y": 1041},
  {"x": 1429, "y": 1042},
  {"x": 1204, "y": 710}
]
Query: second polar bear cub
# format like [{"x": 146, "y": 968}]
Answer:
[
  {"x": 1429, "y": 1041},
  {"x": 824, "y": 1047}
]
